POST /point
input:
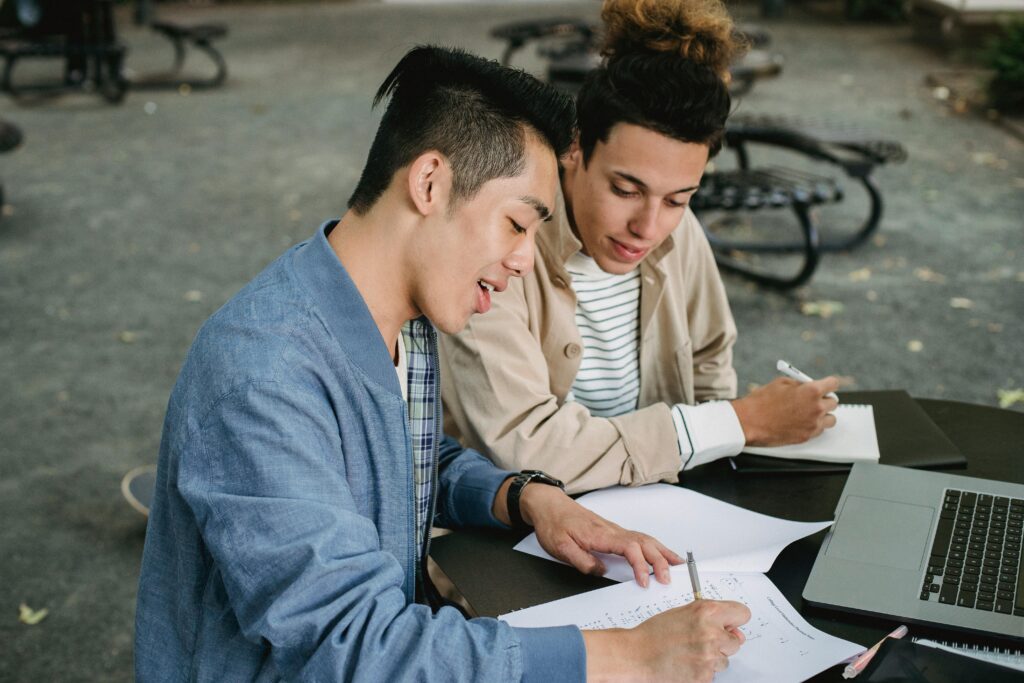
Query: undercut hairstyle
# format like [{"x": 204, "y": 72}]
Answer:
[
  {"x": 665, "y": 69},
  {"x": 474, "y": 111}
]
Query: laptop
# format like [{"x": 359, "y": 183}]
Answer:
[{"x": 925, "y": 547}]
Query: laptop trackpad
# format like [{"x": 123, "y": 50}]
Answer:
[{"x": 881, "y": 532}]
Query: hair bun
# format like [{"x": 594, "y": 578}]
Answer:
[{"x": 700, "y": 31}]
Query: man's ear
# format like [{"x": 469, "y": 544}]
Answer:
[
  {"x": 429, "y": 182},
  {"x": 573, "y": 159}
]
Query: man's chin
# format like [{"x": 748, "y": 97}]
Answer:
[
  {"x": 615, "y": 267},
  {"x": 453, "y": 326}
]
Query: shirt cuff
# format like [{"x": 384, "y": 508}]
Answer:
[
  {"x": 552, "y": 654},
  {"x": 707, "y": 432}
]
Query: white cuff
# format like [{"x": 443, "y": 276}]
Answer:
[{"x": 707, "y": 432}]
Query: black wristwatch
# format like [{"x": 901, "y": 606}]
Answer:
[{"x": 516, "y": 489}]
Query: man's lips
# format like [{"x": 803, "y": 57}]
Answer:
[
  {"x": 484, "y": 287},
  {"x": 628, "y": 252}
]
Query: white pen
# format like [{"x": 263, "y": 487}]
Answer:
[{"x": 791, "y": 371}]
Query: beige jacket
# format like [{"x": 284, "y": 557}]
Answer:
[{"x": 506, "y": 376}]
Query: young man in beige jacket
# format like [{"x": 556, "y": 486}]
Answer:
[{"x": 611, "y": 363}]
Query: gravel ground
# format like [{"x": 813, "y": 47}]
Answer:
[{"x": 128, "y": 225}]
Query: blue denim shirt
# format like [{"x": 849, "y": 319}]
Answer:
[{"x": 282, "y": 541}]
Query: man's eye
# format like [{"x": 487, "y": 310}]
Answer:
[
  {"x": 518, "y": 228},
  {"x": 677, "y": 205},
  {"x": 621, "y": 192}
]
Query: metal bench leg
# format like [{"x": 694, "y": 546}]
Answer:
[
  {"x": 179, "y": 55},
  {"x": 811, "y": 249},
  {"x": 218, "y": 59},
  {"x": 870, "y": 224}
]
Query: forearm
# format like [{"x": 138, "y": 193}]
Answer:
[{"x": 584, "y": 451}]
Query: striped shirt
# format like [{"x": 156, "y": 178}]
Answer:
[
  {"x": 608, "y": 318},
  {"x": 608, "y": 380}
]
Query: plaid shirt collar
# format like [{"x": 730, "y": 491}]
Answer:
[{"x": 420, "y": 342}]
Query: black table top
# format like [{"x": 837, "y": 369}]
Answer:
[{"x": 496, "y": 579}]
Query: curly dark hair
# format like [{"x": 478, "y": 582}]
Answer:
[{"x": 665, "y": 68}]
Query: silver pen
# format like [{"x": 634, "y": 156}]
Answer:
[{"x": 694, "y": 579}]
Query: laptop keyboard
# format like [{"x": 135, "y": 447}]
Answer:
[{"x": 975, "y": 558}]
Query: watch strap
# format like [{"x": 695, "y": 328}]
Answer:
[{"x": 515, "y": 491}]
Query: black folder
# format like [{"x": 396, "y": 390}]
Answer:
[{"x": 907, "y": 437}]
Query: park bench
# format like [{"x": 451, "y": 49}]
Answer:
[
  {"x": 83, "y": 34},
  {"x": 199, "y": 36}
]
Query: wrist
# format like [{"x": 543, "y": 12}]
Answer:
[
  {"x": 536, "y": 498},
  {"x": 747, "y": 416},
  {"x": 614, "y": 654},
  {"x": 523, "y": 515}
]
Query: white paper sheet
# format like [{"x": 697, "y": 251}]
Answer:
[
  {"x": 852, "y": 439},
  {"x": 723, "y": 537},
  {"x": 780, "y": 646}
]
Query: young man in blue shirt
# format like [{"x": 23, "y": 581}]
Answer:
[{"x": 302, "y": 463}]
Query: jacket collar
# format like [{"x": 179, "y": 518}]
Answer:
[
  {"x": 343, "y": 308},
  {"x": 559, "y": 240}
]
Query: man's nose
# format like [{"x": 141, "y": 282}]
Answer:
[
  {"x": 644, "y": 223},
  {"x": 520, "y": 260}
]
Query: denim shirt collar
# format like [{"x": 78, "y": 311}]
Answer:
[{"x": 343, "y": 308}]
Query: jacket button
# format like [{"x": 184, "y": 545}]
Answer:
[{"x": 572, "y": 350}]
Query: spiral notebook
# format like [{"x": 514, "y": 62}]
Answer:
[
  {"x": 1008, "y": 657},
  {"x": 853, "y": 439},
  {"x": 906, "y": 435},
  {"x": 924, "y": 662}
]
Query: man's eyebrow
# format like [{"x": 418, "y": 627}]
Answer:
[
  {"x": 641, "y": 184},
  {"x": 541, "y": 208}
]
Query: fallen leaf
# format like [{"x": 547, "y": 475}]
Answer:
[
  {"x": 871, "y": 295},
  {"x": 961, "y": 302},
  {"x": 27, "y": 615},
  {"x": 926, "y": 274},
  {"x": 128, "y": 337},
  {"x": 914, "y": 345},
  {"x": 193, "y": 295},
  {"x": 295, "y": 215},
  {"x": 860, "y": 275},
  {"x": 1007, "y": 397},
  {"x": 823, "y": 309},
  {"x": 184, "y": 89},
  {"x": 879, "y": 240},
  {"x": 193, "y": 248},
  {"x": 941, "y": 93},
  {"x": 995, "y": 328}
]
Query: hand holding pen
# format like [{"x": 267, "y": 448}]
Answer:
[
  {"x": 791, "y": 371},
  {"x": 788, "y": 410}
]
